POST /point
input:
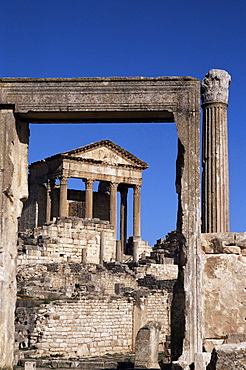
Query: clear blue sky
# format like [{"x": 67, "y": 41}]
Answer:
[{"x": 83, "y": 38}]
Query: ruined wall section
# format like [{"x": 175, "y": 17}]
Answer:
[
  {"x": 67, "y": 239},
  {"x": 224, "y": 274},
  {"x": 77, "y": 310}
]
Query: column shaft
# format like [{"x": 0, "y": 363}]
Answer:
[
  {"x": 136, "y": 211},
  {"x": 89, "y": 198},
  {"x": 123, "y": 217},
  {"x": 215, "y": 177},
  {"x": 48, "y": 201},
  {"x": 113, "y": 205},
  {"x": 63, "y": 197}
]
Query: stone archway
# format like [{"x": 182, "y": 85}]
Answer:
[{"x": 162, "y": 99}]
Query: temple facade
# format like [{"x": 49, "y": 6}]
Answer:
[{"x": 115, "y": 170}]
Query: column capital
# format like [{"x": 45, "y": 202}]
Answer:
[
  {"x": 88, "y": 183},
  {"x": 214, "y": 87},
  {"x": 137, "y": 189},
  {"x": 113, "y": 185},
  {"x": 63, "y": 180}
]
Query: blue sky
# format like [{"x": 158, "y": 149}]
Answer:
[{"x": 81, "y": 38}]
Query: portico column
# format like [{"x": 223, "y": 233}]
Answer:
[
  {"x": 215, "y": 183},
  {"x": 113, "y": 205},
  {"x": 123, "y": 217},
  {"x": 63, "y": 197},
  {"x": 53, "y": 201},
  {"x": 48, "y": 201},
  {"x": 89, "y": 198},
  {"x": 136, "y": 210}
]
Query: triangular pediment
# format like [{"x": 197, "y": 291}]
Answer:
[{"x": 107, "y": 152}]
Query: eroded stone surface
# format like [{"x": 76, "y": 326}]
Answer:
[
  {"x": 13, "y": 189},
  {"x": 225, "y": 295},
  {"x": 215, "y": 86},
  {"x": 227, "y": 242},
  {"x": 146, "y": 347},
  {"x": 228, "y": 357},
  {"x": 215, "y": 176}
]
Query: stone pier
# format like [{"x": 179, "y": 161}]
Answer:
[{"x": 215, "y": 182}]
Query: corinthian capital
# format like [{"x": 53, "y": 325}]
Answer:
[{"x": 215, "y": 86}]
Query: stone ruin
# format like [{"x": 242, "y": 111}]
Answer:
[{"x": 82, "y": 295}]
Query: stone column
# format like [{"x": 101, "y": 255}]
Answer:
[
  {"x": 136, "y": 211},
  {"x": 102, "y": 246},
  {"x": 215, "y": 182},
  {"x": 89, "y": 198},
  {"x": 52, "y": 199},
  {"x": 113, "y": 205},
  {"x": 118, "y": 255},
  {"x": 63, "y": 197},
  {"x": 42, "y": 204},
  {"x": 48, "y": 201},
  {"x": 123, "y": 217}
]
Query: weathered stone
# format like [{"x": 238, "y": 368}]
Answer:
[
  {"x": 13, "y": 179},
  {"x": 227, "y": 242},
  {"x": 225, "y": 297},
  {"x": 147, "y": 345},
  {"x": 241, "y": 240},
  {"x": 228, "y": 357},
  {"x": 209, "y": 344},
  {"x": 235, "y": 338},
  {"x": 202, "y": 360},
  {"x": 215, "y": 182},
  {"x": 30, "y": 365},
  {"x": 232, "y": 249},
  {"x": 215, "y": 86}
]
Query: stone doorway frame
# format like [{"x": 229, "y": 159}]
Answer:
[{"x": 136, "y": 99}]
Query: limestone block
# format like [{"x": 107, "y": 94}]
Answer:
[
  {"x": 232, "y": 249},
  {"x": 147, "y": 345},
  {"x": 241, "y": 240},
  {"x": 235, "y": 338},
  {"x": 228, "y": 357},
  {"x": 224, "y": 279},
  {"x": 214, "y": 242},
  {"x": 202, "y": 360},
  {"x": 209, "y": 344},
  {"x": 30, "y": 365}
]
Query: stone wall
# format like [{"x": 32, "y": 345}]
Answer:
[
  {"x": 161, "y": 271},
  {"x": 77, "y": 310},
  {"x": 224, "y": 276},
  {"x": 88, "y": 326},
  {"x": 68, "y": 239}
]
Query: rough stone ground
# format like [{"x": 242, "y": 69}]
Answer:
[{"x": 115, "y": 361}]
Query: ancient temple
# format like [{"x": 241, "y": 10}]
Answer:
[{"x": 114, "y": 168}]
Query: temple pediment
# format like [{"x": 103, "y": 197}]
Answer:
[{"x": 107, "y": 152}]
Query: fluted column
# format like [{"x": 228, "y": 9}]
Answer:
[
  {"x": 63, "y": 197},
  {"x": 215, "y": 177},
  {"x": 89, "y": 198},
  {"x": 136, "y": 211},
  {"x": 123, "y": 217},
  {"x": 113, "y": 205}
]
